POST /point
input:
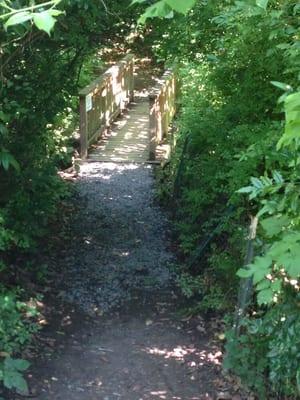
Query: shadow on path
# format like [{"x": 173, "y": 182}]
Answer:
[{"x": 119, "y": 338}]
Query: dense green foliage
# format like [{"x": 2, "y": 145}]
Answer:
[
  {"x": 48, "y": 51},
  {"x": 235, "y": 59},
  {"x": 16, "y": 327},
  {"x": 237, "y": 156}
]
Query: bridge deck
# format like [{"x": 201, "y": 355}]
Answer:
[{"x": 128, "y": 138}]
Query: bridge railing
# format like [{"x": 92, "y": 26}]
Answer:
[
  {"x": 162, "y": 109},
  {"x": 103, "y": 100}
]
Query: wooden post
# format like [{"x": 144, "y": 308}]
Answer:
[
  {"x": 164, "y": 110},
  {"x": 152, "y": 126},
  {"x": 246, "y": 285},
  {"x": 159, "y": 114},
  {"x": 106, "y": 105},
  {"x": 83, "y": 127},
  {"x": 131, "y": 81}
]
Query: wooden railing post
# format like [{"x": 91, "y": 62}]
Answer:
[
  {"x": 83, "y": 127},
  {"x": 106, "y": 104},
  {"x": 131, "y": 81},
  {"x": 152, "y": 126}
]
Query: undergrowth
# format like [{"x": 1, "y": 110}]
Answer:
[{"x": 237, "y": 159}]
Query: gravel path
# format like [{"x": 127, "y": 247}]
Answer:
[
  {"x": 142, "y": 350},
  {"x": 121, "y": 240}
]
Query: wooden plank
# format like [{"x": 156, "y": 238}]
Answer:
[{"x": 129, "y": 142}]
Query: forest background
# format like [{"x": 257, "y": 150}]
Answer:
[{"x": 236, "y": 160}]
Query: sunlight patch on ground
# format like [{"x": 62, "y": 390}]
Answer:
[
  {"x": 164, "y": 395},
  {"x": 95, "y": 169},
  {"x": 180, "y": 353}
]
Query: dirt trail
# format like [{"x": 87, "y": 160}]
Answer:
[
  {"x": 143, "y": 352},
  {"x": 118, "y": 262}
]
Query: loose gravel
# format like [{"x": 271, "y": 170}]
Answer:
[
  {"x": 120, "y": 241},
  {"x": 116, "y": 250}
]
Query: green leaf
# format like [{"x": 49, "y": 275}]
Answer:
[
  {"x": 170, "y": 15},
  {"x": 270, "y": 207},
  {"x": 276, "y": 285},
  {"x": 8, "y": 379},
  {"x": 262, "y": 3},
  {"x": 286, "y": 254},
  {"x": 44, "y": 21},
  {"x": 274, "y": 225},
  {"x": 7, "y": 159},
  {"x": 4, "y": 117},
  {"x": 181, "y": 6},
  {"x": 12, "y": 378},
  {"x": 278, "y": 248},
  {"x": 256, "y": 183},
  {"x": 259, "y": 275},
  {"x": 55, "y": 13},
  {"x": 14, "y": 163},
  {"x": 283, "y": 46},
  {"x": 254, "y": 194},
  {"x": 282, "y": 86},
  {"x": 19, "y": 364},
  {"x": 18, "y": 18},
  {"x": 261, "y": 267},
  {"x": 266, "y": 181},
  {"x": 137, "y": 2},
  {"x": 292, "y": 102},
  {"x": 277, "y": 177},
  {"x": 160, "y": 9},
  {"x": 292, "y": 125},
  {"x": 245, "y": 189},
  {"x": 3, "y": 129},
  {"x": 293, "y": 265},
  {"x": 17, "y": 381},
  {"x": 164, "y": 8},
  {"x": 265, "y": 296},
  {"x": 244, "y": 273},
  {"x": 295, "y": 11},
  {"x": 265, "y": 284},
  {"x": 4, "y": 160}
]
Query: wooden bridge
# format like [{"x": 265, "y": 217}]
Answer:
[{"x": 119, "y": 124}]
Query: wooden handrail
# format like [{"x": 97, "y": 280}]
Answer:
[
  {"x": 103, "y": 99},
  {"x": 162, "y": 109}
]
